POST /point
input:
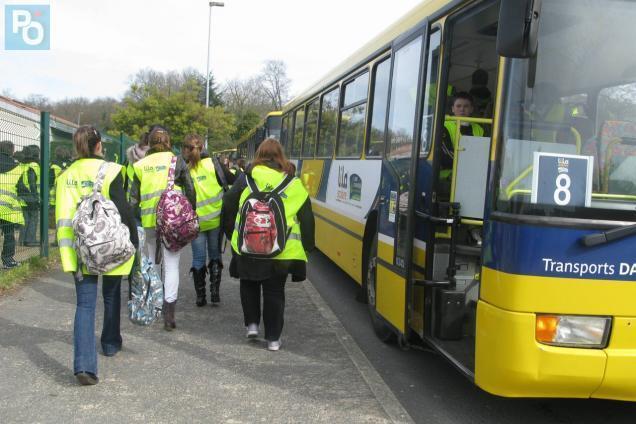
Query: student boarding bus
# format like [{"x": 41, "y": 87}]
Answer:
[
  {"x": 516, "y": 261},
  {"x": 269, "y": 127}
]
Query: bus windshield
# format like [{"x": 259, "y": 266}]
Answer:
[
  {"x": 273, "y": 126},
  {"x": 569, "y": 116}
]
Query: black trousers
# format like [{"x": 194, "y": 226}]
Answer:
[
  {"x": 273, "y": 304},
  {"x": 8, "y": 245}
]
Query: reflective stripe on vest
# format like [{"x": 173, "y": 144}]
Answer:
[
  {"x": 77, "y": 182},
  {"x": 293, "y": 198},
  {"x": 152, "y": 172},
  {"x": 10, "y": 204},
  {"x": 209, "y": 194}
]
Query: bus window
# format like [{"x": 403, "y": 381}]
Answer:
[
  {"x": 283, "y": 131},
  {"x": 328, "y": 124},
  {"x": 290, "y": 134},
  {"x": 311, "y": 129},
  {"x": 404, "y": 84},
  {"x": 430, "y": 93},
  {"x": 375, "y": 143},
  {"x": 298, "y": 132},
  {"x": 352, "y": 117}
]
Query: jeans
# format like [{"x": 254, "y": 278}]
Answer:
[
  {"x": 8, "y": 245},
  {"x": 85, "y": 353},
  {"x": 28, "y": 233},
  {"x": 273, "y": 304},
  {"x": 211, "y": 237}
]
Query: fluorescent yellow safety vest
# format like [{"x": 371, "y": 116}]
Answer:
[
  {"x": 24, "y": 167},
  {"x": 556, "y": 115},
  {"x": 293, "y": 198},
  {"x": 57, "y": 170},
  {"x": 10, "y": 209},
  {"x": 451, "y": 126},
  {"x": 25, "y": 177},
  {"x": 152, "y": 172},
  {"x": 77, "y": 182},
  {"x": 128, "y": 174},
  {"x": 209, "y": 194}
]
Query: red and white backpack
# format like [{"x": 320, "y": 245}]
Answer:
[{"x": 263, "y": 231}]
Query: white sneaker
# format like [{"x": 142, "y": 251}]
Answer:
[
  {"x": 252, "y": 331},
  {"x": 273, "y": 346}
]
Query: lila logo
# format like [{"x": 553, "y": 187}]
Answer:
[{"x": 27, "y": 27}]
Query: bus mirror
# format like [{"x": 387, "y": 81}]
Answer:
[{"x": 518, "y": 27}]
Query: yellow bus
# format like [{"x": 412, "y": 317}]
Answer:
[
  {"x": 268, "y": 127},
  {"x": 511, "y": 251}
]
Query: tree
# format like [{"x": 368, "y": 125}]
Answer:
[
  {"x": 178, "y": 108},
  {"x": 244, "y": 124},
  {"x": 242, "y": 96},
  {"x": 173, "y": 81},
  {"x": 38, "y": 101},
  {"x": 275, "y": 83}
]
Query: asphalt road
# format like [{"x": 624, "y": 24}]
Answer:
[{"x": 428, "y": 386}]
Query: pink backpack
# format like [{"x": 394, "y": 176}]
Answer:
[{"x": 177, "y": 222}]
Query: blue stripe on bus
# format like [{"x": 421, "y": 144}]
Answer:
[
  {"x": 324, "y": 181},
  {"x": 556, "y": 252}
]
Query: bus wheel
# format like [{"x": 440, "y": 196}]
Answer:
[{"x": 382, "y": 330}]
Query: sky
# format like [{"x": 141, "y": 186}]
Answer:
[{"x": 96, "y": 46}]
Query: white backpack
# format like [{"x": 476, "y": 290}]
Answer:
[{"x": 102, "y": 241}]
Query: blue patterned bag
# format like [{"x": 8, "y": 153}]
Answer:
[{"x": 146, "y": 289}]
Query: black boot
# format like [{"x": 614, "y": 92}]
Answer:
[
  {"x": 169, "y": 323},
  {"x": 198, "y": 275},
  {"x": 215, "y": 267}
]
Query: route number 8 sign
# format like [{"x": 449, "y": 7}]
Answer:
[{"x": 562, "y": 180}]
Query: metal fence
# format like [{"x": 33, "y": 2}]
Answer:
[{"x": 34, "y": 149}]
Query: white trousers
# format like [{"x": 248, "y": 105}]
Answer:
[{"x": 170, "y": 265}]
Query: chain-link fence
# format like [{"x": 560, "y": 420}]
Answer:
[{"x": 22, "y": 163}]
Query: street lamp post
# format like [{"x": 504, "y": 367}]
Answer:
[
  {"x": 207, "y": 84},
  {"x": 207, "y": 74}
]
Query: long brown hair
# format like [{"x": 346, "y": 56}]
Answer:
[
  {"x": 85, "y": 140},
  {"x": 270, "y": 153},
  {"x": 196, "y": 142},
  {"x": 159, "y": 139}
]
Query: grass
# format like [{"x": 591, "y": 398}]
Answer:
[{"x": 11, "y": 278}]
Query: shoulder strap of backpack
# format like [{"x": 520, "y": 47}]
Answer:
[
  {"x": 99, "y": 180},
  {"x": 171, "y": 172},
  {"x": 219, "y": 172},
  {"x": 251, "y": 183},
  {"x": 284, "y": 184}
]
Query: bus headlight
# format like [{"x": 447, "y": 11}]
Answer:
[{"x": 573, "y": 330}]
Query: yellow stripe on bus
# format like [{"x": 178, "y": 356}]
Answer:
[
  {"x": 342, "y": 248},
  {"x": 391, "y": 297},
  {"x": 531, "y": 293},
  {"x": 348, "y": 223}
]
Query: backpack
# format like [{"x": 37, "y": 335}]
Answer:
[
  {"x": 102, "y": 241},
  {"x": 177, "y": 221},
  {"x": 263, "y": 231},
  {"x": 145, "y": 296}
]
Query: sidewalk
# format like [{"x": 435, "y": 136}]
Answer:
[{"x": 205, "y": 371}]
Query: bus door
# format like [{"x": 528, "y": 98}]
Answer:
[
  {"x": 388, "y": 299},
  {"x": 449, "y": 215}
]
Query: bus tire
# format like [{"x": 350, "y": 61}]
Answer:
[{"x": 384, "y": 332}]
